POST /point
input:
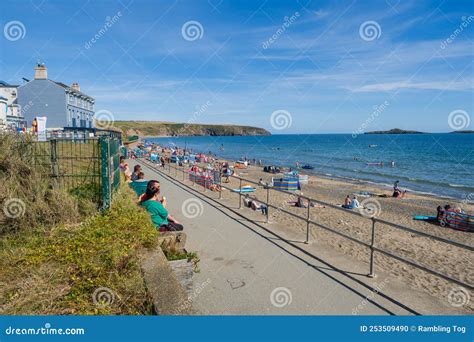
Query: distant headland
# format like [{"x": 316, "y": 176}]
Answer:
[{"x": 158, "y": 128}]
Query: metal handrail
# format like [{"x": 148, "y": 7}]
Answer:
[{"x": 373, "y": 248}]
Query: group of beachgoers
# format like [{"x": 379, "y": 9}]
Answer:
[
  {"x": 209, "y": 172},
  {"x": 353, "y": 203},
  {"x": 151, "y": 199}
]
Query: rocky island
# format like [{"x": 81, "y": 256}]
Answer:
[{"x": 395, "y": 131}]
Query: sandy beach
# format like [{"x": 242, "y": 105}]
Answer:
[
  {"x": 441, "y": 257},
  {"x": 444, "y": 258}
]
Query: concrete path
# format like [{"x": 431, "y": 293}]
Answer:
[{"x": 244, "y": 269}]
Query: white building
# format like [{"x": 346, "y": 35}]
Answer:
[{"x": 10, "y": 114}]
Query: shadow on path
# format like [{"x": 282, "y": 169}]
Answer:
[{"x": 243, "y": 221}]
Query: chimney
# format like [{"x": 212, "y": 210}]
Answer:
[
  {"x": 41, "y": 72},
  {"x": 75, "y": 86}
]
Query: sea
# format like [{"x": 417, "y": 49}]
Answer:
[{"x": 438, "y": 164}]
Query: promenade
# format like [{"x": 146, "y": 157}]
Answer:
[{"x": 247, "y": 269}]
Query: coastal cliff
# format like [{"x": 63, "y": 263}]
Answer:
[{"x": 156, "y": 128}]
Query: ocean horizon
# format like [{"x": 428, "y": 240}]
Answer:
[{"x": 439, "y": 164}]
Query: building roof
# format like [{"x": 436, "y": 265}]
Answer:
[
  {"x": 5, "y": 84},
  {"x": 72, "y": 89}
]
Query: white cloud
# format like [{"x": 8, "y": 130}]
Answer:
[{"x": 437, "y": 85}]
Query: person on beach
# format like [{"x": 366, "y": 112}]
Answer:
[
  {"x": 347, "y": 202},
  {"x": 226, "y": 173},
  {"x": 123, "y": 166},
  {"x": 397, "y": 192},
  {"x": 157, "y": 209},
  {"x": 140, "y": 177},
  {"x": 255, "y": 205},
  {"x": 259, "y": 206},
  {"x": 136, "y": 170},
  {"x": 354, "y": 203},
  {"x": 300, "y": 203}
]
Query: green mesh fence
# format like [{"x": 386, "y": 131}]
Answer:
[{"x": 86, "y": 167}]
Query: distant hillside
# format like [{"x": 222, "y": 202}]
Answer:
[
  {"x": 156, "y": 128},
  {"x": 394, "y": 131}
]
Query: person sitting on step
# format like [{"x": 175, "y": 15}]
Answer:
[{"x": 157, "y": 209}]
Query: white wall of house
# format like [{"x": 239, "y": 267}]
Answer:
[
  {"x": 10, "y": 110},
  {"x": 10, "y": 93},
  {"x": 3, "y": 112}
]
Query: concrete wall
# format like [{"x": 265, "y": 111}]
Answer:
[{"x": 43, "y": 98}]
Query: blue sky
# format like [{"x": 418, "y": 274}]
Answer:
[{"x": 321, "y": 69}]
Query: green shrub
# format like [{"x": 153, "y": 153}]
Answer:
[
  {"x": 27, "y": 199},
  {"x": 77, "y": 269}
]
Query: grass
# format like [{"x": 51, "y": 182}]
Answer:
[
  {"x": 28, "y": 200},
  {"x": 85, "y": 269}
]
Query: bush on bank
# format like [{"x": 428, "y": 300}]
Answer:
[{"x": 60, "y": 265}]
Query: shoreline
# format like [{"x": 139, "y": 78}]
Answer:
[{"x": 334, "y": 177}]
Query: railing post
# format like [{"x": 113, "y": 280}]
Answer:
[
  {"x": 372, "y": 243},
  {"x": 307, "y": 223},
  {"x": 268, "y": 203},
  {"x": 220, "y": 184},
  {"x": 105, "y": 173},
  {"x": 240, "y": 193},
  {"x": 54, "y": 162},
  {"x": 183, "y": 172}
]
